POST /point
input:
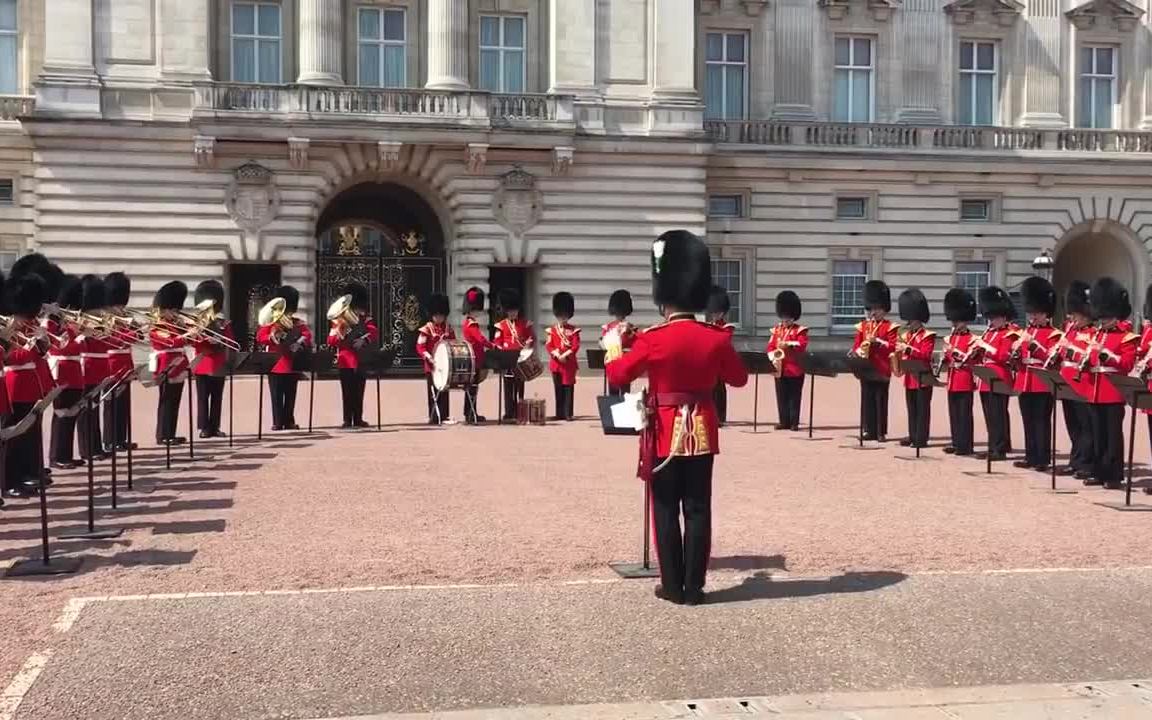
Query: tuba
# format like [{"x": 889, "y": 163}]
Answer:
[
  {"x": 275, "y": 312},
  {"x": 341, "y": 313}
]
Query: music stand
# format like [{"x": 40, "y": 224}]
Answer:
[
  {"x": 923, "y": 374},
  {"x": 501, "y": 361},
  {"x": 320, "y": 359},
  {"x": 999, "y": 387},
  {"x": 375, "y": 363},
  {"x": 624, "y": 421},
  {"x": 116, "y": 389},
  {"x": 863, "y": 370},
  {"x": 236, "y": 361},
  {"x": 757, "y": 363},
  {"x": 258, "y": 364},
  {"x": 91, "y": 533},
  {"x": 814, "y": 367},
  {"x": 1060, "y": 390},
  {"x": 596, "y": 361},
  {"x": 137, "y": 373},
  {"x": 158, "y": 380},
  {"x": 1137, "y": 397}
]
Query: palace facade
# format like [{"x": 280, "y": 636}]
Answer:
[{"x": 431, "y": 145}]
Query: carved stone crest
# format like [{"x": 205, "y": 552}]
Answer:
[
  {"x": 351, "y": 241},
  {"x": 252, "y": 200},
  {"x": 517, "y": 204}
]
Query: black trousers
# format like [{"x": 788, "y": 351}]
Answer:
[
  {"x": 874, "y": 399},
  {"x": 117, "y": 432},
  {"x": 437, "y": 406},
  {"x": 282, "y": 387},
  {"x": 919, "y": 406},
  {"x": 618, "y": 390},
  {"x": 564, "y": 397},
  {"x": 1078, "y": 423},
  {"x": 88, "y": 428},
  {"x": 960, "y": 419},
  {"x": 789, "y": 393},
  {"x": 471, "y": 414},
  {"x": 513, "y": 392},
  {"x": 352, "y": 383},
  {"x": 168, "y": 410},
  {"x": 1036, "y": 412},
  {"x": 720, "y": 400},
  {"x": 209, "y": 402},
  {"x": 996, "y": 420},
  {"x": 685, "y": 485},
  {"x": 1108, "y": 442},
  {"x": 63, "y": 433},
  {"x": 25, "y": 453}
]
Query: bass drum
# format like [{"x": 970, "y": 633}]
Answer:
[{"x": 454, "y": 366}]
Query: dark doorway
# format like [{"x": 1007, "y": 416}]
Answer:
[
  {"x": 250, "y": 286},
  {"x": 501, "y": 278}
]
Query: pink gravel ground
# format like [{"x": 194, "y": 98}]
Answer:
[{"x": 416, "y": 505}]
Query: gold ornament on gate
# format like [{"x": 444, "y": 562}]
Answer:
[
  {"x": 410, "y": 313},
  {"x": 411, "y": 244},
  {"x": 351, "y": 240}
]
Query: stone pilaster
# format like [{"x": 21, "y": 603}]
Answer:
[
  {"x": 68, "y": 85},
  {"x": 320, "y": 46},
  {"x": 184, "y": 28},
  {"x": 447, "y": 45},
  {"x": 572, "y": 47},
  {"x": 1043, "y": 41},
  {"x": 674, "y": 65}
]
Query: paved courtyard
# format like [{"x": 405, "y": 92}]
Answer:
[{"x": 422, "y": 569}]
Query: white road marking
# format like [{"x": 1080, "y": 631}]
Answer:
[{"x": 16, "y": 691}]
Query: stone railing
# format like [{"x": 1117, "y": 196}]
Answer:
[
  {"x": 942, "y": 138},
  {"x": 13, "y": 107}
]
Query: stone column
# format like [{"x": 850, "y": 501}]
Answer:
[
  {"x": 68, "y": 84},
  {"x": 447, "y": 45},
  {"x": 320, "y": 49},
  {"x": 674, "y": 64},
  {"x": 572, "y": 47}
]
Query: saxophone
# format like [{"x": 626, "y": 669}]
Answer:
[{"x": 777, "y": 354}]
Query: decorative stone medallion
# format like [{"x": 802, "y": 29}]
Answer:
[
  {"x": 252, "y": 200},
  {"x": 517, "y": 204}
]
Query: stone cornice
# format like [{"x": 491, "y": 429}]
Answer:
[
  {"x": 1003, "y": 12},
  {"x": 1124, "y": 15},
  {"x": 881, "y": 10}
]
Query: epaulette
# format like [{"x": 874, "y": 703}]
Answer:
[
  {"x": 1130, "y": 336},
  {"x": 860, "y": 326},
  {"x": 929, "y": 333},
  {"x": 729, "y": 325},
  {"x": 801, "y": 328},
  {"x": 657, "y": 326},
  {"x": 575, "y": 331}
]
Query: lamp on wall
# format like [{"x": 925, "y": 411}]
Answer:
[{"x": 1042, "y": 265}]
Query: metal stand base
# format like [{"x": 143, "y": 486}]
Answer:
[
  {"x": 860, "y": 447},
  {"x": 982, "y": 473},
  {"x": 37, "y": 567},
  {"x": 1049, "y": 491},
  {"x": 1124, "y": 508},
  {"x": 634, "y": 570},
  {"x": 92, "y": 534},
  {"x": 915, "y": 458}
]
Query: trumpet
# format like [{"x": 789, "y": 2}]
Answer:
[
  {"x": 900, "y": 352},
  {"x": 1141, "y": 367},
  {"x": 865, "y": 348},
  {"x": 1086, "y": 359}
]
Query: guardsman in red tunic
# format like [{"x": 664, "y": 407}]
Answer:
[
  {"x": 23, "y": 459},
  {"x": 716, "y": 313},
  {"x": 875, "y": 340},
  {"x": 1033, "y": 349},
  {"x": 94, "y": 360},
  {"x": 210, "y": 356},
  {"x": 65, "y": 362},
  {"x": 349, "y": 335},
  {"x": 283, "y": 379},
  {"x": 788, "y": 343},
  {"x": 563, "y": 342},
  {"x": 479, "y": 342},
  {"x": 1069, "y": 351},
  {"x": 169, "y": 357},
  {"x": 620, "y": 307},
  {"x": 995, "y": 352},
  {"x": 1112, "y": 351},
  {"x": 959, "y": 350},
  {"x": 120, "y": 363},
  {"x": 917, "y": 343},
  {"x": 427, "y": 338},
  {"x": 1144, "y": 359},
  {"x": 513, "y": 333},
  {"x": 683, "y": 359}
]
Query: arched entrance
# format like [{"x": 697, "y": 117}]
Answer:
[
  {"x": 1097, "y": 249},
  {"x": 387, "y": 237}
]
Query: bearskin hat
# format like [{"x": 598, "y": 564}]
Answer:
[
  {"x": 92, "y": 293},
  {"x": 30, "y": 263},
  {"x": 1077, "y": 298},
  {"x": 71, "y": 293},
  {"x": 1148, "y": 303},
  {"x": 1038, "y": 296},
  {"x": 117, "y": 287},
  {"x": 171, "y": 296},
  {"x": 620, "y": 304},
  {"x": 509, "y": 299},
  {"x": 291, "y": 297},
  {"x": 681, "y": 271},
  {"x": 563, "y": 304},
  {"x": 1109, "y": 299},
  {"x": 994, "y": 302},
  {"x": 210, "y": 290},
  {"x": 877, "y": 295},
  {"x": 959, "y": 305},
  {"x": 718, "y": 302},
  {"x": 53, "y": 280},
  {"x": 788, "y": 305},
  {"x": 26, "y": 294},
  {"x": 359, "y": 295},
  {"x": 473, "y": 300},
  {"x": 438, "y": 304},
  {"x": 913, "y": 306}
]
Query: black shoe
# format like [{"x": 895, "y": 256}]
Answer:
[
  {"x": 962, "y": 453},
  {"x": 882, "y": 439},
  {"x": 1041, "y": 468},
  {"x": 125, "y": 446},
  {"x": 795, "y": 428},
  {"x": 70, "y": 465},
  {"x": 179, "y": 440},
  {"x": 997, "y": 457},
  {"x": 1065, "y": 470},
  {"x": 1022, "y": 464},
  {"x": 781, "y": 426},
  {"x": 869, "y": 438},
  {"x": 555, "y": 418},
  {"x": 293, "y": 426},
  {"x": 949, "y": 450},
  {"x": 694, "y": 597},
  {"x": 204, "y": 434},
  {"x": 905, "y": 443},
  {"x": 361, "y": 424},
  {"x": 1082, "y": 475},
  {"x": 346, "y": 426},
  {"x": 1091, "y": 481},
  {"x": 1148, "y": 489},
  {"x": 1113, "y": 485},
  {"x": 277, "y": 428},
  {"x": 675, "y": 598},
  {"x": 17, "y": 493},
  {"x": 218, "y": 434}
]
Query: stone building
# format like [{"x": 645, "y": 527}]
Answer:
[{"x": 424, "y": 145}]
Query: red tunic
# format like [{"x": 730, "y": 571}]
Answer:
[
  {"x": 95, "y": 361},
  {"x": 921, "y": 344},
  {"x": 22, "y": 375},
  {"x": 1034, "y": 354},
  {"x": 213, "y": 355},
  {"x": 64, "y": 360},
  {"x": 5, "y": 404},
  {"x": 168, "y": 352},
  {"x": 959, "y": 361},
  {"x": 1142, "y": 351},
  {"x": 562, "y": 344},
  {"x": 120, "y": 362},
  {"x": 429, "y": 336},
  {"x": 997, "y": 358},
  {"x": 793, "y": 340},
  {"x": 514, "y": 335},
  {"x": 628, "y": 332},
  {"x": 1075, "y": 341},
  {"x": 1116, "y": 355},
  {"x": 346, "y": 353},
  {"x": 474, "y": 336},
  {"x": 883, "y": 334},
  {"x": 283, "y": 366},
  {"x": 684, "y": 359}
]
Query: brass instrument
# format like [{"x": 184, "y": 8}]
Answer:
[
  {"x": 977, "y": 344},
  {"x": 275, "y": 312},
  {"x": 1086, "y": 360},
  {"x": 900, "y": 352},
  {"x": 341, "y": 313},
  {"x": 202, "y": 322},
  {"x": 945, "y": 357},
  {"x": 777, "y": 358},
  {"x": 865, "y": 348}
]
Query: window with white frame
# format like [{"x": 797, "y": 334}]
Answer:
[
  {"x": 1097, "y": 87},
  {"x": 7, "y": 192},
  {"x": 973, "y": 276},
  {"x": 726, "y": 205},
  {"x": 502, "y": 67},
  {"x": 978, "y": 87},
  {"x": 729, "y": 274},
  {"x": 382, "y": 51},
  {"x": 256, "y": 56},
  {"x": 8, "y": 258},
  {"x": 854, "y": 80},
  {"x": 975, "y": 210},
  {"x": 9, "y": 48},
  {"x": 848, "y": 278},
  {"x": 851, "y": 208},
  {"x": 725, "y": 75}
]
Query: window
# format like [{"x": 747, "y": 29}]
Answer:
[
  {"x": 975, "y": 210},
  {"x": 502, "y": 53},
  {"x": 256, "y": 42},
  {"x": 851, "y": 208},
  {"x": 725, "y": 76},
  {"x": 729, "y": 275},
  {"x": 977, "y": 83},
  {"x": 7, "y": 192},
  {"x": 848, "y": 278},
  {"x": 382, "y": 52},
  {"x": 8, "y": 258},
  {"x": 9, "y": 49},
  {"x": 854, "y": 80},
  {"x": 1097, "y": 86},
  {"x": 973, "y": 276},
  {"x": 726, "y": 206}
]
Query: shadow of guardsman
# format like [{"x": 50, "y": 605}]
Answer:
[{"x": 762, "y": 586}]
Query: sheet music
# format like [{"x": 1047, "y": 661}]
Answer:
[{"x": 627, "y": 414}]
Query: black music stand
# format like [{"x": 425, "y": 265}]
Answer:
[
  {"x": 157, "y": 380},
  {"x": 926, "y": 378},
  {"x": 1060, "y": 390},
  {"x": 258, "y": 364},
  {"x": 999, "y": 387},
  {"x": 318, "y": 360},
  {"x": 863, "y": 370},
  {"x": 596, "y": 361},
  {"x": 1137, "y": 397},
  {"x": 90, "y": 400},
  {"x": 501, "y": 361},
  {"x": 376, "y": 362},
  {"x": 645, "y": 568},
  {"x": 190, "y": 391},
  {"x": 236, "y": 361},
  {"x": 757, "y": 363},
  {"x": 115, "y": 390},
  {"x": 137, "y": 373},
  {"x": 814, "y": 367}
]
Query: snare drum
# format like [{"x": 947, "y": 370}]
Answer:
[
  {"x": 528, "y": 367},
  {"x": 530, "y": 412},
  {"x": 453, "y": 365}
]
